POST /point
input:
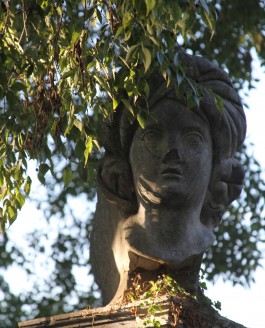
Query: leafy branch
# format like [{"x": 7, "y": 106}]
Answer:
[{"x": 66, "y": 66}]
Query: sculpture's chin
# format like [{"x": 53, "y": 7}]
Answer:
[
  {"x": 174, "y": 252},
  {"x": 143, "y": 261}
]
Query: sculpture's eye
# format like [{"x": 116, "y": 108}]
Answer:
[
  {"x": 152, "y": 140},
  {"x": 151, "y": 135},
  {"x": 193, "y": 138}
]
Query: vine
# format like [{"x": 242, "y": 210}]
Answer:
[{"x": 184, "y": 305}]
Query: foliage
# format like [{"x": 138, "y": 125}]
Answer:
[
  {"x": 49, "y": 264},
  {"x": 238, "y": 30},
  {"x": 164, "y": 285},
  {"x": 149, "y": 292},
  {"x": 242, "y": 229},
  {"x": 66, "y": 66}
]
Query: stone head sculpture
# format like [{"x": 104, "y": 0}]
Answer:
[{"x": 163, "y": 188}]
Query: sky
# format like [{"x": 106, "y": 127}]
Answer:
[{"x": 241, "y": 304}]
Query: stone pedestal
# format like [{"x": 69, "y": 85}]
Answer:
[{"x": 167, "y": 310}]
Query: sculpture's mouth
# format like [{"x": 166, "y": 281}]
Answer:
[{"x": 172, "y": 171}]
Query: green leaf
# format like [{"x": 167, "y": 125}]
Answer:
[
  {"x": 2, "y": 223},
  {"x": 176, "y": 59},
  {"x": 90, "y": 65},
  {"x": 18, "y": 86},
  {"x": 179, "y": 78},
  {"x": 141, "y": 120},
  {"x": 205, "y": 6},
  {"x": 128, "y": 106},
  {"x": 67, "y": 176},
  {"x": 20, "y": 199},
  {"x": 89, "y": 147},
  {"x": 127, "y": 19},
  {"x": 12, "y": 213},
  {"x": 209, "y": 21},
  {"x": 69, "y": 126},
  {"x": 96, "y": 143},
  {"x": 71, "y": 72},
  {"x": 154, "y": 40},
  {"x": 182, "y": 22},
  {"x": 148, "y": 58},
  {"x": 99, "y": 16},
  {"x": 218, "y": 305},
  {"x": 193, "y": 86},
  {"x": 80, "y": 148},
  {"x": 63, "y": 62},
  {"x": 115, "y": 103},
  {"x": 90, "y": 12},
  {"x": 104, "y": 84},
  {"x": 203, "y": 285},
  {"x": 190, "y": 100},
  {"x": 219, "y": 102},
  {"x": 131, "y": 51},
  {"x": 75, "y": 36},
  {"x": 146, "y": 89},
  {"x": 160, "y": 57},
  {"x": 27, "y": 186},
  {"x": 150, "y": 4},
  {"x": 79, "y": 124},
  {"x": 118, "y": 32},
  {"x": 43, "y": 169}
]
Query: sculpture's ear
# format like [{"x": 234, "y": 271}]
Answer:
[
  {"x": 225, "y": 186},
  {"x": 116, "y": 183}
]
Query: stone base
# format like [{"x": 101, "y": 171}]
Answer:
[{"x": 168, "y": 311}]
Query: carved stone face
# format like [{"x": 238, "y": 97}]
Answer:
[{"x": 171, "y": 158}]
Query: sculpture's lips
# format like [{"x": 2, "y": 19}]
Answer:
[{"x": 176, "y": 170}]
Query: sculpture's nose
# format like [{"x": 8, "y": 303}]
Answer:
[{"x": 171, "y": 157}]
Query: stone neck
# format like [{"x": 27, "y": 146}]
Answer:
[{"x": 172, "y": 237}]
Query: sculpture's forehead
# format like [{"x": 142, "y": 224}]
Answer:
[{"x": 170, "y": 113}]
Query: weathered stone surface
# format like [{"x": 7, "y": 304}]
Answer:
[{"x": 173, "y": 313}]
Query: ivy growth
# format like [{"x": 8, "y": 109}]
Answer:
[{"x": 149, "y": 292}]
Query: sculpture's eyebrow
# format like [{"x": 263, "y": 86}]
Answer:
[
  {"x": 149, "y": 126},
  {"x": 153, "y": 125},
  {"x": 192, "y": 128}
]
